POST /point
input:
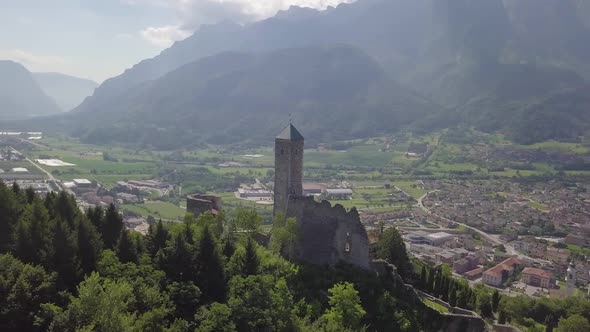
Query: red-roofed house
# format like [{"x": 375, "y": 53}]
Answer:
[
  {"x": 537, "y": 277},
  {"x": 499, "y": 273}
]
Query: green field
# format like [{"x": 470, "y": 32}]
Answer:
[
  {"x": 436, "y": 306},
  {"x": 412, "y": 188},
  {"x": 164, "y": 210}
]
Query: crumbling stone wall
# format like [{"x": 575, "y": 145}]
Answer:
[
  {"x": 199, "y": 204},
  {"x": 328, "y": 235}
]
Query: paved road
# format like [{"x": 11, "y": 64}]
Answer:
[
  {"x": 44, "y": 147},
  {"x": 491, "y": 238},
  {"x": 49, "y": 175}
]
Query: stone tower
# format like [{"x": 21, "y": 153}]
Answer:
[
  {"x": 570, "y": 279},
  {"x": 288, "y": 168}
]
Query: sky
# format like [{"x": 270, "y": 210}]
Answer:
[{"x": 98, "y": 39}]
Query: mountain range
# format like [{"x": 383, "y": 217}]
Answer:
[
  {"x": 67, "y": 91},
  {"x": 25, "y": 95},
  {"x": 370, "y": 67},
  {"x": 20, "y": 95}
]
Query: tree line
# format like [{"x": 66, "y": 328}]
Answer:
[{"x": 64, "y": 269}]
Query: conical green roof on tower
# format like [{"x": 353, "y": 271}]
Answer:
[{"x": 290, "y": 133}]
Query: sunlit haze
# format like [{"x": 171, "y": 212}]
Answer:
[{"x": 99, "y": 39}]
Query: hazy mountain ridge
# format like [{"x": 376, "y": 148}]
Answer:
[
  {"x": 484, "y": 63},
  {"x": 67, "y": 91},
  {"x": 20, "y": 95},
  {"x": 333, "y": 91}
]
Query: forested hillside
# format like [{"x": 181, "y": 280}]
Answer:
[{"x": 64, "y": 270}]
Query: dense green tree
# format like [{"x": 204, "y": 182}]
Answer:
[
  {"x": 101, "y": 305},
  {"x": 550, "y": 323},
  {"x": 391, "y": 248},
  {"x": 177, "y": 260},
  {"x": 211, "y": 272},
  {"x": 502, "y": 316},
  {"x": 345, "y": 306},
  {"x": 484, "y": 305},
  {"x": 430, "y": 282},
  {"x": 216, "y": 317},
  {"x": 156, "y": 238},
  {"x": 89, "y": 246},
  {"x": 251, "y": 260},
  {"x": 40, "y": 230},
  {"x": 453, "y": 296},
  {"x": 65, "y": 259},
  {"x": 23, "y": 249},
  {"x": 96, "y": 217},
  {"x": 228, "y": 248},
  {"x": 188, "y": 232},
  {"x": 23, "y": 288},
  {"x": 388, "y": 315},
  {"x": 495, "y": 300},
  {"x": 573, "y": 323},
  {"x": 462, "y": 298},
  {"x": 112, "y": 226},
  {"x": 9, "y": 212},
  {"x": 126, "y": 249},
  {"x": 423, "y": 278},
  {"x": 65, "y": 208},
  {"x": 248, "y": 220},
  {"x": 285, "y": 234},
  {"x": 30, "y": 195},
  {"x": 186, "y": 296},
  {"x": 259, "y": 303}
]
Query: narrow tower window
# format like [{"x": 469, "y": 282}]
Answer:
[{"x": 282, "y": 151}]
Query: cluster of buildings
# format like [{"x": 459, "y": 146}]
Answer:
[
  {"x": 143, "y": 187},
  {"x": 264, "y": 193}
]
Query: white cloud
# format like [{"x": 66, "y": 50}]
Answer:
[
  {"x": 34, "y": 62},
  {"x": 193, "y": 13},
  {"x": 164, "y": 36}
]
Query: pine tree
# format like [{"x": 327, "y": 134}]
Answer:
[
  {"x": 89, "y": 246},
  {"x": 423, "y": 278},
  {"x": 9, "y": 213},
  {"x": 502, "y": 317},
  {"x": 177, "y": 260},
  {"x": 211, "y": 273},
  {"x": 430, "y": 282},
  {"x": 228, "y": 248},
  {"x": 96, "y": 217},
  {"x": 111, "y": 227},
  {"x": 30, "y": 195},
  {"x": 391, "y": 248},
  {"x": 188, "y": 232},
  {"x": 495, "y": 300},
  {"x": 40, "y": 232},
  {"x": 126, "y": 250},
  {"x": 453, "y": 296},
  {"x": 64, "y": 261},
  {"x": 66, "y": 208},
  {"x": 156, "y": 238},
  {"x": 251, "y": 261},
  {"x": 22, "y": 242}
]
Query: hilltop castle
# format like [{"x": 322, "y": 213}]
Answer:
[{"x": 328, "y": 235}]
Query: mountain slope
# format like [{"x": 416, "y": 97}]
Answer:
[
  {"x": 334, "y": 92},
  {"x": 67, "y": 91},
  {"x": 20, "y": 95},
  {"x": 486, "y": 64}
]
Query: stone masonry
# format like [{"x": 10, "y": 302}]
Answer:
[{"x": 328, "y": 235}]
